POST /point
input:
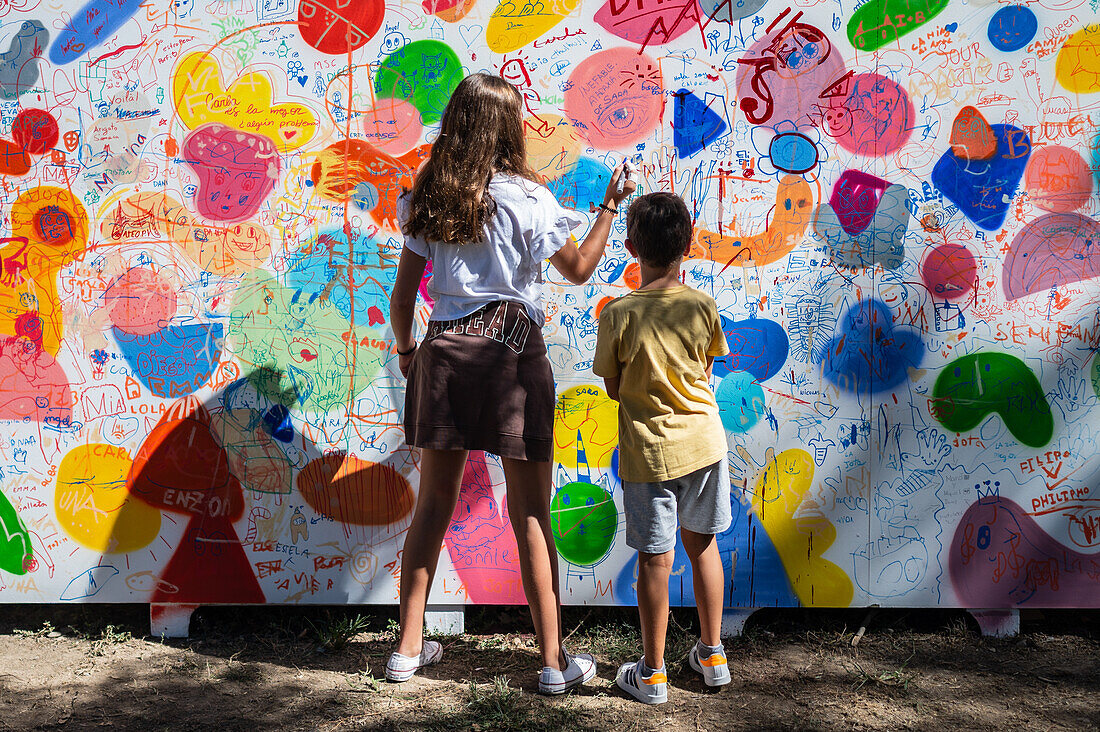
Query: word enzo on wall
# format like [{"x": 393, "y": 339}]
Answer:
[{"x": 895, "y": 207}]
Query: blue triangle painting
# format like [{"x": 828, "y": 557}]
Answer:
[{"x": 694, "y": 124}]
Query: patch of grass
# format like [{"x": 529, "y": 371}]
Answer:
[
  {"x": 241, "y": 672},
  {"x": 109, "y": 636},
  {"x": 498, "y": 707},
  {"x": 334, "y": 634},
  {"x": 615, "y": 640},
  {"x": 891, "y": 678},
  {"x": 391, "y": 633},
  {"x": 46, "y": 629}
]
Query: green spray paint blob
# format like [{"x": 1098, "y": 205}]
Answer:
[
  {"x": 972, "y": 387},
  {"x": 424, "y": 73},
  {"x": 1095, "y": 370},
  {"x": 584, "y": 519},
  {"x": 15, "y": 549},
  {"x": 881, "y": 22}
]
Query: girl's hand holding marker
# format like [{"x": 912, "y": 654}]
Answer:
[{"x": 619, "y": 187}]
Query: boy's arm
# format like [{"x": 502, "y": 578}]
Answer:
[
  {"x": 710, "y": 367},
  {"x": 611, "y": 386}
]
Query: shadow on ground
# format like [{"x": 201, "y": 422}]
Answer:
[{"x": 80, "y": 667}]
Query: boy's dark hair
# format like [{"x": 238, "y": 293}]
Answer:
[{"x": 659, "y": 227}]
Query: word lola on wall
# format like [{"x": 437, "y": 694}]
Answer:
[{"x": 895, "y": 208}]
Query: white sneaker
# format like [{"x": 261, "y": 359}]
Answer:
[
  {"x": 401, "y": 668},
  {"x": 581, "y": 668},
  {"x": 715, "y": 670},
  {"x": 652, "y": 689}
]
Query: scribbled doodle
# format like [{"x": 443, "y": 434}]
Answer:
[
  {"x": 758, "y": 346},
  {"x": 695, "y": 125},
  {"x": 423, "y": 73},
  {"x": 583, "y": 519},
  {"x": 89, "y": 27},
  {"x": 1077, "y": 67},
  {"x": 865, "y": 222},
  {"x": 19, "y": 64},
  {"x": 1002, "y": 558},
  {"x": 513, "y": 26}
]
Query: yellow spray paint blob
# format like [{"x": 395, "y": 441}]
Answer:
[
  {"x": 1078, "y": 65},
  {"x": 586, "y": 428},
  {"x": 93, "y": 505},
  {"x": 514, "y": 25},
  {"x": 800, "y": 531},
  {"x": 246, "y": 104}
]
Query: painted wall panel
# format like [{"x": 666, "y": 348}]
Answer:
[{"x": 895, "y": 208}]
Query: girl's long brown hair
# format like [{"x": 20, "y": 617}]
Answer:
[{"x": 481, "y": 134}]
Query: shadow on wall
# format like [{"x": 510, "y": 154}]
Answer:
[{"x": 206, "y": 463}]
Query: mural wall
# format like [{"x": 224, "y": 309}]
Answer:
[{"x": 896, "y": 210}]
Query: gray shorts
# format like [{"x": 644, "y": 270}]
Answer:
[{"x": 701, "y": 499}]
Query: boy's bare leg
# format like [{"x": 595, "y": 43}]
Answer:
[
  {"x": 709, "y": 582},
  {"x": 653, "y": 572},
  {"x": 440, "y": 482},
  {"x": 529, "y": 486}
]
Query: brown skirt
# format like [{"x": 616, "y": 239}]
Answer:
[{"x": 483, "y": 382}]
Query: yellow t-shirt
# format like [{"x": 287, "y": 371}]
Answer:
[{"x": 657, "y": 342}]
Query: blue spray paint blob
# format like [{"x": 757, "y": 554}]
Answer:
[
  {"x": 740, "y": 401},
  {"x": 758, "y": 346},
  {"x": 754, "y": 574},
  {"x": 869, "y": 353},
  {"x": 175, "y": 361},
  {"x": 983, "y": 189},
  {"x": 90, "y": 26},
  {"x": 327, "y": 259},
  {"x": 694, "y": 124},
  {"x": 277, "y": 423},
  {"x": 792, "y": 152},
  {"x": 584, "y": 182},
  {"x": 1012, "y": 28}
]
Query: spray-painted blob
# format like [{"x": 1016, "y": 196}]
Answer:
[
  {"x": 237, "y": 170},
  {"x": 140, "y": 302},
  {"x": 336, "y": 27},
  {"x": 882, "y": 116},
  {"x": 950, "y": 271},
  {"x": 424, "y": 73},
  {"x": 740, "y": 401},
  {"x": 616, "y": 97},
  {"x": 1058, "y": 179},
  {"x": 583, "y": 519}
]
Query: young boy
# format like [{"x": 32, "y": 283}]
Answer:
[{"x": 654, "y": 349}]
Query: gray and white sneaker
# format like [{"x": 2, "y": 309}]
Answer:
[
  {"x": 581, "y": 668},
  {"x": 401, "y": 668},
  {"x": 715, "y": 670},
  {"x": 652, "y": 689}
]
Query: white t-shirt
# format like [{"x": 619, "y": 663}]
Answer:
[{"x": 529, "y": 226}]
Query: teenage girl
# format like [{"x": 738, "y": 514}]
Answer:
[{"x": 480, "y": 379}]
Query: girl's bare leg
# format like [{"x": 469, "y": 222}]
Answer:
[
  {"x": 440, "y": 482},
  {"x": 529, "y": 487}
]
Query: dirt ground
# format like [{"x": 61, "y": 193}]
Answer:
[{"x": 320, "y": 669}]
